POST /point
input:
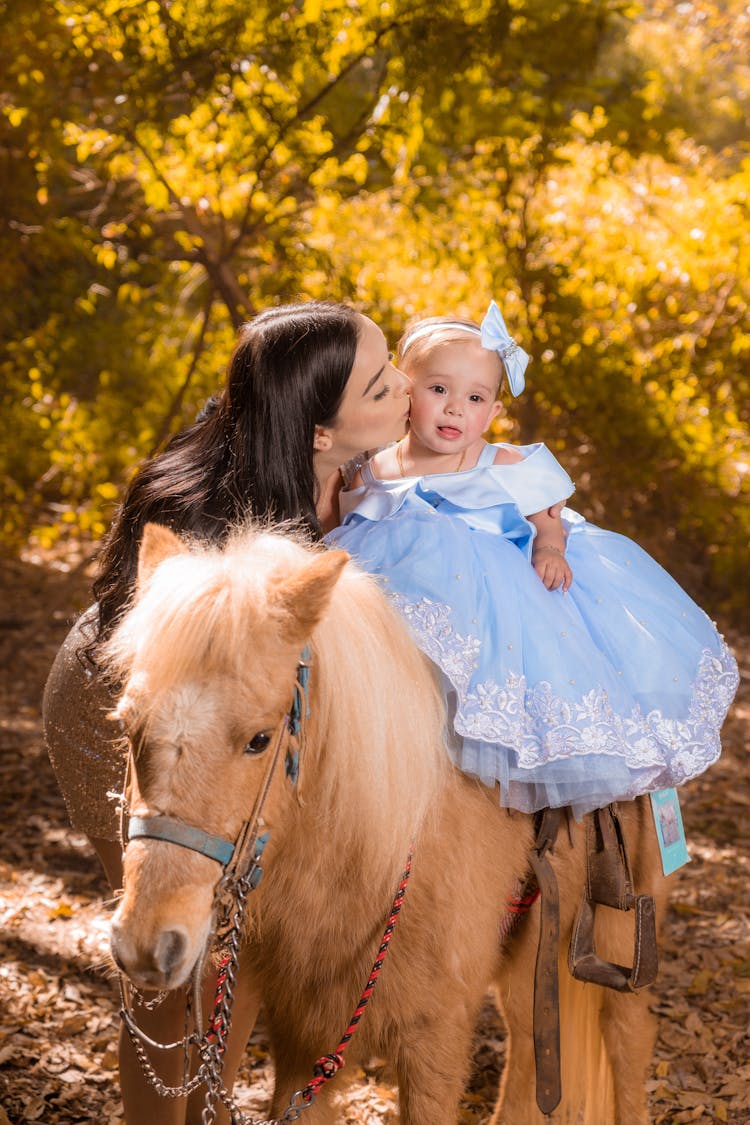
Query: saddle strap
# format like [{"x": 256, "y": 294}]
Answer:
[
  {"x": 546, "y": 985},
  {"x": 608, "y": 878}
]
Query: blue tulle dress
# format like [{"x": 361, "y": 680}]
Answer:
[{"x": 616, "y": 688}]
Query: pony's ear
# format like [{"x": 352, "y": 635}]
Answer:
[
  {"x": 305, "y": 595},
  {"x": 158, "y": 543}
]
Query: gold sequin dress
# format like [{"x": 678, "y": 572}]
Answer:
[{"x": 85, "y": 748}]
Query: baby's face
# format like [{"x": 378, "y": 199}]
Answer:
[{"x": 454, "y": 395}]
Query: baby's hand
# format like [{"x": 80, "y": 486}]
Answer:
[{"x": 552, "y": 568}]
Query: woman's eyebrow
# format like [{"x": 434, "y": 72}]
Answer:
[{"x": 373, "y": 381}]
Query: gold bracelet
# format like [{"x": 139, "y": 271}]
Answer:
[{"x": 554, "y": 550}]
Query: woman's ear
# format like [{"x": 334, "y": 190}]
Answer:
[{"x": 322, "y": 440}]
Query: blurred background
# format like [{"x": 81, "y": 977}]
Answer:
[{"x": 170, "y": 167}]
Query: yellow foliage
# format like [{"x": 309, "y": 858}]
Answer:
[
  {"x": 107, "y": 490},
  {"x": 314, "y": 150},
  {"x": 106, "y": 256}
]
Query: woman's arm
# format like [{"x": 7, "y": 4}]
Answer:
[{"x": 548, "y": 552}]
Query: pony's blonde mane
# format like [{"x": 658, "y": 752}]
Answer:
[
  {"x": 198, "y": 610},
  {"x": 384, "y": 719},
  {"x": 375, "y": 758}
]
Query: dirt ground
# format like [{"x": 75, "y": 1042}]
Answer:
[{"x": 58, "y": 1022}]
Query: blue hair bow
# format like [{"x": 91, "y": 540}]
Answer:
[{"x": 496, "y": 338}]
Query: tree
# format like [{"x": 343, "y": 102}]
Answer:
[{"x": 172, "y": 167}]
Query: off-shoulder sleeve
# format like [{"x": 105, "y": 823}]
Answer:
[
  {"x": 349, "y": 498},
  {"x": 536, "y": 482}
]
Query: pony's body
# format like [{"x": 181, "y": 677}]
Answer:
[{"x": 208, "y": 656}]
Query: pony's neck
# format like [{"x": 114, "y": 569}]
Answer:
[{"x": 375, "y": 761}]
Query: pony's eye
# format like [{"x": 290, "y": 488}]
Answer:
[{"x": 257, "y": 744}]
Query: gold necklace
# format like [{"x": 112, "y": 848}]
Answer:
[{"x": 400, "y": 460}]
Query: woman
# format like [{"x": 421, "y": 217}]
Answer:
[{"x": 309, "y": 387}]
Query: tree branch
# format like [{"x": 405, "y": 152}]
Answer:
[{"x": 175, "y": 407}]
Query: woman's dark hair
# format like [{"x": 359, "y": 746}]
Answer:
[{"x": 251, "y": 452}]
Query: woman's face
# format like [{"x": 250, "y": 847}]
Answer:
[{"x": 375, "y": 406}]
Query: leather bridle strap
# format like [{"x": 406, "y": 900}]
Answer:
[
  {"x": 245, "y": 851},
  {"x": 235, "y": 857}
]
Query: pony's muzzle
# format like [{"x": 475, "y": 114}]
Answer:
[{"x": 163, "y": 965}]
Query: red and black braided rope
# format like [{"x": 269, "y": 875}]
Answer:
[
  {"x": 327, "y": 1066},
  {"x": 216, "y": 1020}
]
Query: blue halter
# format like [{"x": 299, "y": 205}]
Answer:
[{"x": 175, "y": 832}]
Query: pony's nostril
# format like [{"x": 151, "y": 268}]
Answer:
[
  {"x": 116, "y": 950},
  {"x": 116, "y": 957},
  {"x": 170, "y": 950},
  {"x": 154, "y": 967}
]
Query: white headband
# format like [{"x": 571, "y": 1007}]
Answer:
[{"x": 426, "y": 329}]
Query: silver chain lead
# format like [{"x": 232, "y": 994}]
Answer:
[{"x": 212, "y": 1047}]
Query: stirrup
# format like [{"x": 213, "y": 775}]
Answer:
[{"x": 609, "y": 883}]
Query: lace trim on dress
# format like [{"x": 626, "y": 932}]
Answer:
[{"x": 541, "y": 726}]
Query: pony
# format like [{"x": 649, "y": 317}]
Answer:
[{"x": 208, "y": 657}]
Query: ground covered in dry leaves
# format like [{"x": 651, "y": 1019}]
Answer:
[{"x": 58, "y": 1024}]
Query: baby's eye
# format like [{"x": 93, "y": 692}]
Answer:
[
  {"x": 476, "y": 398},
  {"x": 383, "y": 393},
  {"x": 438, "y": 388}
]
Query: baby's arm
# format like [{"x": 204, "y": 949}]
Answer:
[
  {"x": 548, "y": 553},
  {"x": 548, "y": 556}
]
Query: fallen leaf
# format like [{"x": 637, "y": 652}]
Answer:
[{"x": 58, "y": 1024}]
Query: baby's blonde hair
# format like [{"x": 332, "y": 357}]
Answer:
[{"x": 422, "y": 337}]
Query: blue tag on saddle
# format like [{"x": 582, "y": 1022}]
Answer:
[{"x": 670, "y": 832}]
